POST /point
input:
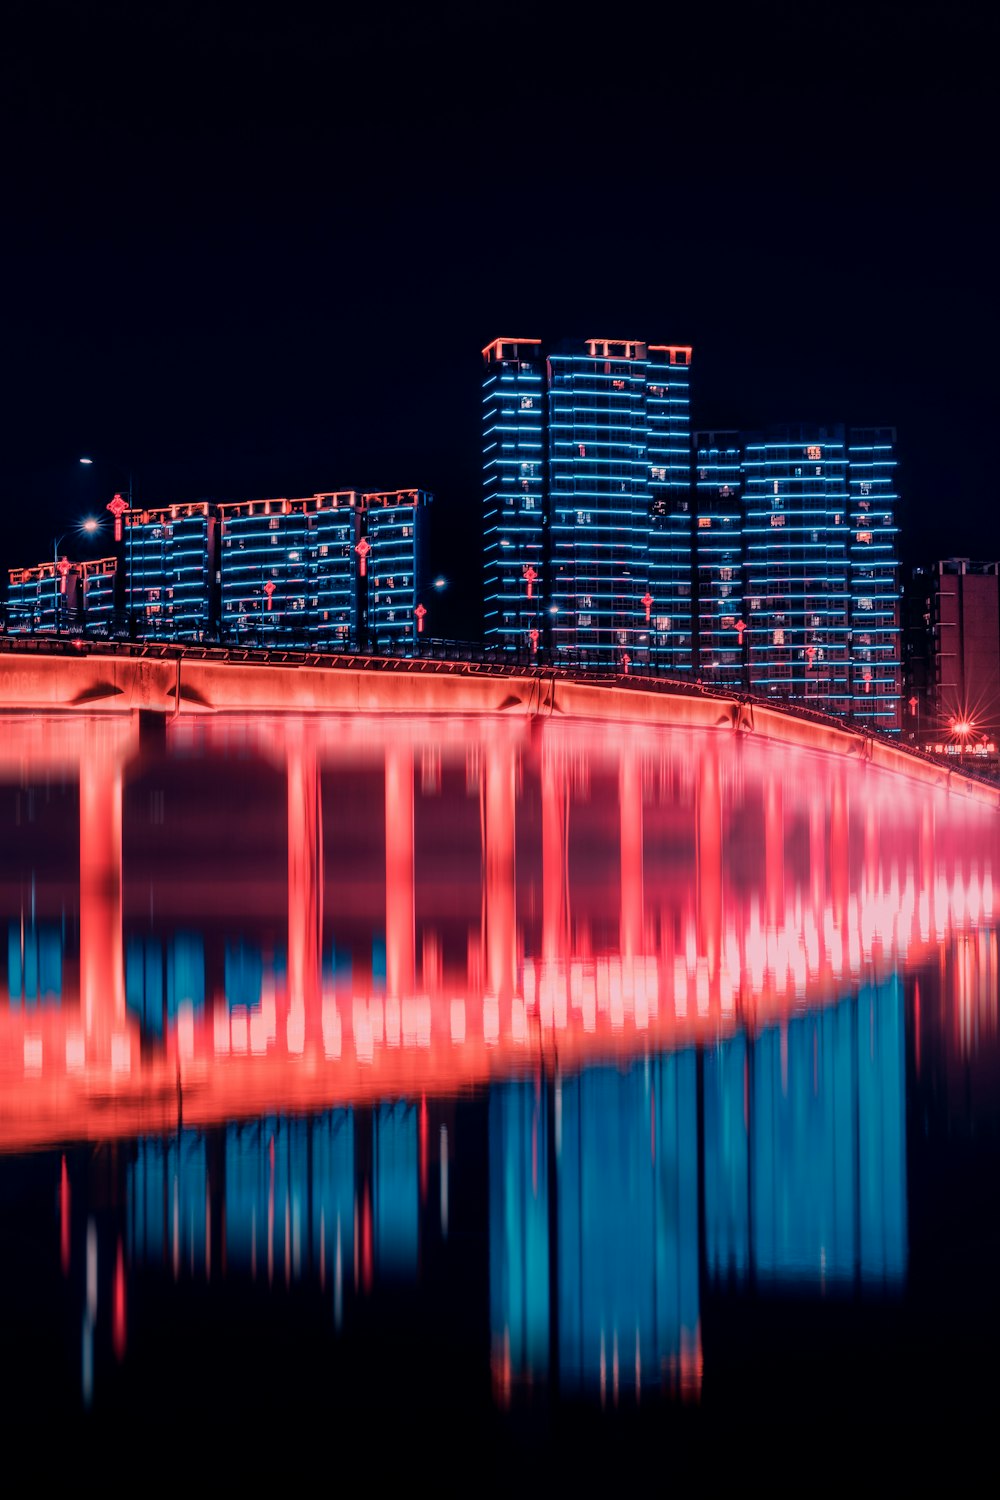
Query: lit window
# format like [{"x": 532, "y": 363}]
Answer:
[
  {"x": 777, "y": 520},
  {"x": 814, "y": 452},
  {"x": 779, "y": 637},
  {"x": 705, "y": 523},
  {"x": 273, "y": 523},
  {"x": 864, "y": 604},
  {"x": 618, "y": 385},
  {"x": 583, "y": 450},
  {"x": 527, "y": 402},
  {"x": 864, "y": 536},
  {"x": 656, "y": 473}
]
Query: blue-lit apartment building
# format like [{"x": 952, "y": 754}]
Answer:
[
  {"x": 796, "y": 564},
  {"x": 39, "y": 599},
  {"x": 80, "y": 597},
  {"x": 170, "y": 571},
  {"x": 288, "y": 570},
  {"x": 336, "y": 571},
  {"x": 98, "y": 580},
  {"x": 587, "y": 513},
  {"x": 394, "y": 525}
]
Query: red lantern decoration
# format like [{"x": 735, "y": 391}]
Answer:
[
  {"x": 269, "y": 589},
  {"x": 647, "y": 603},
  {"x": 362, "y": 549},
  {"x": 420, "y": 611},
  {"x": 117, "y": 507},
  {"x": 739, "y": 627},
  {"x": 529, "y": 575},
  {"x": 533, "y": 638},
  {"x": 62, "y": 568}
]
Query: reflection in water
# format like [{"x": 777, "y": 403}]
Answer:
[
  {"x": 291, "y": 955},
  {"x": 805, "y": 1157}
]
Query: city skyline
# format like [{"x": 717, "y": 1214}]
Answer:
[{"x": 233, "y": 301}]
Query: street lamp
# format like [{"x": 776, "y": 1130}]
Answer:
[
  {"x": 61, "y": 569},
  {"x": 118, "y": 507}
]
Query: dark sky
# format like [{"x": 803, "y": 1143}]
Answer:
[{"x": 256, "y": 251}]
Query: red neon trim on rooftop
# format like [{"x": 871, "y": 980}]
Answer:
[{"x": 498, "y": 343}]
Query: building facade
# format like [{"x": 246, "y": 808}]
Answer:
[
  {"x": 394, "y": 528},
  {"x": 796, "y": 562},
  {"x": 953, "y": 656},
  {"x": 170, "y": 572},
  {"x": 587, "y": 511},
  {"x": 331, "y": 572}
]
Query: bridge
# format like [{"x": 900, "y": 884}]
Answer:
[
  {"x": 859, "y": 871},
  {"x": 97, "y": 677}
]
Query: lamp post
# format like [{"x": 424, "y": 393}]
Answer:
[
  {"x": 118, "y": 507},
  {"x": 61, "y": 569}
]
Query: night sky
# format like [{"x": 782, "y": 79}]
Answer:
[{"x": 255, "y": 252}]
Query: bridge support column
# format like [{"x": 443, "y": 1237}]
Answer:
[
  {"x": 709, "y": 849},
  {"x": 305, "y": 877},
  {"x": 499, "y": 835},
  {"x": 102, "y": 980},
  {"x": 631, "y": 934},
  {"x": 400, "y": 935},
  {"x": 555, "y": 800}
]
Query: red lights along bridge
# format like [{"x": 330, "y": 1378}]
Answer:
[{"x": 103, "y": 678}]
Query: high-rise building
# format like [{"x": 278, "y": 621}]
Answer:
[
  {"x": 43, "y": 599},
  {"x": 797, "y": 568},
  {"x": 587, "y": 518},
  {"x": 953, "y": 654},
  {"x": 288, "y": 571},
  {"x": 394, "y": 526},
  {"x": 98, "y": 582},
  {"x": 170, "y": 570},
  {"x": 62, "y": 597},
  {"x": 336, "y": 571}
]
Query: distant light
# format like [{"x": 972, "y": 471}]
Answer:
[
  {"x": 553, "y": 609},
  {"x": 962, "y": 726},
  {"x": 440, "y": 583},
  {"x": 86, "y": 460},
  {"x": 91, "y": 524}
]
